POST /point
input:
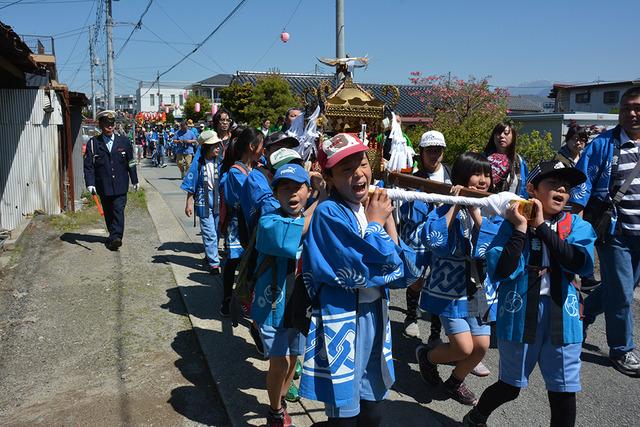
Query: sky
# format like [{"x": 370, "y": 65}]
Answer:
[{"x": 513, "y": 42}]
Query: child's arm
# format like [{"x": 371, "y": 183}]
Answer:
[{"x": 504, "y": 257}]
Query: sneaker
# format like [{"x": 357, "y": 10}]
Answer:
[
  {"x": 215, "y": 270},
  {"x": 481, "y": 370},
  {"x": 587, "y": 284},
  {"x": 628, "y": 364},
  {"x": 460, "y": 393},
  {"x": 411, "y": 329},
  {"x": 278, "y": 418},
  {"x": 298, "y": 372},
  {"x": 428, "y": 370},
  {"x": 471, "y": 419},
  {"x": 225, "y": 308},
  {"x": 255, "y": 334},
  {"x": 292, "y": 393}
]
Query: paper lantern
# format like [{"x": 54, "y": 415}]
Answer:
[
  {"x": 214, "y": 109},
  {"x": 166, "y": 110},
  {"x": 197, "y": 107},
  {"x": 186, "y": 94},
  {"x": 284, "y": 36}
]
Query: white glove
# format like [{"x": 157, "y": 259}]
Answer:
[
  {"x": 136, "y": 187},
  {"x": 91, "y": 189}
]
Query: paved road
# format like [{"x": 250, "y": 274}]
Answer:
[{"x": 608, "y": 398}]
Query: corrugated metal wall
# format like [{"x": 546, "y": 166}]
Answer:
[{"x": 29, "y": 158}]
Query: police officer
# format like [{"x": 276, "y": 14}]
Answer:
[{"x": 108, "y": 165}]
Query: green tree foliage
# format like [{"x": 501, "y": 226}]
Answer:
[
  {"x": 190, "y": 108},
  {"x": 271, "y": 97},
  {"x": 465, "y": 111},
  {"x": 535, "y": 147},
  {"x": 415, "y": 133},
  {"x": 235, "y": 98}
]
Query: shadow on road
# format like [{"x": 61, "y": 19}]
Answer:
[
  {"x": 185, "y": 261},
  {"x": 596, "y": 359},
  {"x": 76, "y": 238},
  {"x": 192, "y": 248}
]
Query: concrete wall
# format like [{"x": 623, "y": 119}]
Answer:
[
  {"x": 558, "y": 124},
  {"x": 596, "y": 102},
  {"x": 144, "y": 99}
]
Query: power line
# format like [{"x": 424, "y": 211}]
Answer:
[
  {"x": 11, "y": 4},
  {"x": 199, "y": 45},
  {"x": 276, "y": 39},
  {"x": 137, "y": 27},
  {"x": 44, "y": 3},
  {"x": 177, "y": 50},
  {"x": 78, "y": 38}
]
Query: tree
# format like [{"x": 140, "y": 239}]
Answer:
[
  {"x": 271, "y": 97},
  {"x": 235, "y": 98},
  {"x": 536, "y": 147},
  {"x": 465, "y": 111},
  {"x": 190, "y": 107}
]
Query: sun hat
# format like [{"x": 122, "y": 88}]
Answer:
[
  {"x": 208, "y": 137},
  {"x": 432, "y": 138}
]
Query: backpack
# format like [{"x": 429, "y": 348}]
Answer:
[{"x": 227, "y": 213}]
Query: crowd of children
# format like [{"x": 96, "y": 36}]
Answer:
[{"x": 325, "y": 252}]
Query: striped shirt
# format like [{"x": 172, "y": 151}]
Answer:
[{"x": 629, "y": 207}]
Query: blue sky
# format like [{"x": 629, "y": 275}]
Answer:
[{"x": 514, "y": 42}]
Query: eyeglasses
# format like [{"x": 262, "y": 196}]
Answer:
[{"x": 225, "y": 120}]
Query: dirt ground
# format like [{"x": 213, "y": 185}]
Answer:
[{"x": 93, "y": 337}]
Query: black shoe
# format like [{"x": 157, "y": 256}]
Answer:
[
  {"x": 474, "y": 419},
  {"x": 214, "y": 271},
  {"x": 116, "y": 243},
  {"x": 225, "y": 309},
  {"x": 428, "y": 370},
  {"x": 460, "y": 393},
  {"x": 588, "y": 284},
  {"x": 255, "y": 334},
  {"x": 628, "y": 364}
]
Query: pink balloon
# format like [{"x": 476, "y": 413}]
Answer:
[
  {"x": 197, "y": 107},
  {"x": 284, "y": 37},
  {"x": 186, "y": 94},
  {"x": 214, "y": 109},
  {"x": 166, "y": 110}
]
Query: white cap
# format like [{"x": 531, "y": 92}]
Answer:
[{"x": 433, "y": 138}]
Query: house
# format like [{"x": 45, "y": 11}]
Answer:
[
  {"x": 40, "y": 131},
  {"x": 210, "y": 88},
  {"x": 598, "y": 97},
  {"x": 152, "y": 96}
]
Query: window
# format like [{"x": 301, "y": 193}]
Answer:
[
  {"x": 152, "y": 101},
  {"x": 611, "y": 97},
  {"x": 583, "y": 97},
  {"x": 173, "y": 99},
  {"x": 181, "y": 99}
]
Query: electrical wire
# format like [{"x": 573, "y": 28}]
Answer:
[
  {"x": 136, "y": 27},
  {"x": 78, "y": 38},
  {"x": 11, "y": 4},
  {"x": 199, "y": 45},
  {"x": 276, "y": 39}
]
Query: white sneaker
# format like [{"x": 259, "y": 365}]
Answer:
[{"x": 480, "y": 370}]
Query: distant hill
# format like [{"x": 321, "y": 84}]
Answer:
[{"x": 536, "y": 87}]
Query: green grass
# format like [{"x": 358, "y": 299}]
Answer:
[{"x": 137, "y": 199}]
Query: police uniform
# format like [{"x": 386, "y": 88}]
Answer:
[{"x": 109, "y": 170}]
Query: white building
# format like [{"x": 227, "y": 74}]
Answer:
[
  {"x": 150, "y": 98},
  {"x": 601, "y": 97}
]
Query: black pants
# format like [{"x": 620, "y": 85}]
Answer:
[{"x": 113, "y": 207}]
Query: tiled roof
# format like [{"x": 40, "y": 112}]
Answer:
[
  {"x": 217, "y": 80},
  {"x": 523, "y": 103},
  {"x": 408, "y": 105}
]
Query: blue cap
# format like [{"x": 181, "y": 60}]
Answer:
[{"x": 293, "y": 172}]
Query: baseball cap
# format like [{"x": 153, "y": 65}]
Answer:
[
  {"x": 338, "y": 147},
  {"x": 280, "y": 137},
  {"x": 554, "y": 168},
  {"x": 108, "y": 115},
  {"x": 189, "y": 122},
  {"x": 293, "y": 172},
  {"x": 432, "y": 138},
  {"x": 209, "y": 137},
  {"x": 284, "y": 156}
]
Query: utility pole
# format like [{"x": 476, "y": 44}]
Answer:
[
  {"x": 111, "y": 101},
  {"x": 340, "y": 29},
  {"x": 158, "y": 80},
  {"x": 92, "y": 58}
]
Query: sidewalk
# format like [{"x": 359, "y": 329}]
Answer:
[{"x": 236, "y": 368}]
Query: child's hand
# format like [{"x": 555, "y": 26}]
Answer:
[
  {"x": 516, "y": 218},
  {"x": 538, "y": 219},
  {"x": 379, "y": 207}
]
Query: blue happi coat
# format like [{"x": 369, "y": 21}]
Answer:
[
  {"x": 279, "y": 237},
  {"x": 231, "y": 183},
  {"x": 336, "y": 262},
  {"x": 448, "y": 290},
  {"x": 257, "y": 198},
  {"x": 512, "y": 290},
  {"x": 595, "y": 162},
  {"x": 194, "y": 183}
]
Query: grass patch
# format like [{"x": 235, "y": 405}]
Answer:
[
  {"x": 70, "y": 221},
  {"x": 137, "y": 199}
]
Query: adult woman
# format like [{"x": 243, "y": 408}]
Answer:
[
  {"x": 503, "y": 140},
  {"x": 239, "y": 159},
  {"x": 574, "y": 142},
  {"x": 222, "y": 122}
]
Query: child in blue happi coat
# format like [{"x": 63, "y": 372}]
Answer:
[
  {"x": 457, "y": 288},
  {"x": 351, "y": 258},
  {"x": 201, "y": 184},
  {"x": 240, "y": 157},
  {"x": 538, "y": 319},
  {"x": 279, "y": 245}
]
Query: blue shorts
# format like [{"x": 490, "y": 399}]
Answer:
[
  {"x": 559, "y": 364},
  {"x": 280, "y": 342},
  {"x": 368, "y": 383},
  {"x": 474, "y": 325}
]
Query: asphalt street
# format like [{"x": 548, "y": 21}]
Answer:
[{"x": 608, "y": 397}]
